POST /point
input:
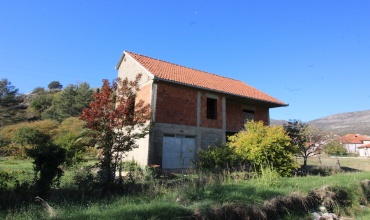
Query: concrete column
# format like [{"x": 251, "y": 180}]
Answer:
[
  {"x": 199, "y": 97},
  {"x": 198, "y": 136},
  {"x": 224, "y": 118},
  {"x": 154, "y": 100}
]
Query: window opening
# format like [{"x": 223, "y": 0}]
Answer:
[
  {"x": 248, "y": 115},
  {"x": 211, "y": 108}
]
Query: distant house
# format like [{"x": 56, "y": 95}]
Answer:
[
  {"x": 192, "y": 109},
  {"x": 352, "y": 142},
  {"x": 364, "y": 150}
]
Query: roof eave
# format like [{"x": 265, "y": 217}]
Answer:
[
  {"x": 274, "y": 104},
  {"x": 120, "y": 60}
]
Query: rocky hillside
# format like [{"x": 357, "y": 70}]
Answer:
[
  {"x": 277, "y": 122},
  {"x": 343, "y": 123}
]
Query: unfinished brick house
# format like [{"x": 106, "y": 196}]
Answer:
[{"x": 192, "y": 109}]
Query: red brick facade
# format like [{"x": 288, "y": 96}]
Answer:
[
  {"x": 262, "y": 114},
  {"x": 234, "y": 117},
  {"x": 210, "y": 123},
  {"x": 176, "y": 104},
  {"x": 145, "y": 93}
]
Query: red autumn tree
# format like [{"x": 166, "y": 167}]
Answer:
[{"x": 118, "y": 120}]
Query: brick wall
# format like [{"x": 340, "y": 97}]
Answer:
[
  {"x": 204, "y": 121},
  {"x": 234, "y": 116},
  {"x": 145, "y": 93},
  {"x": 176, "y": 104},
  {"x": 262, "y": 114}
]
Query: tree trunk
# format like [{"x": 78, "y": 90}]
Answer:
[{"x": 304, "y": 162}]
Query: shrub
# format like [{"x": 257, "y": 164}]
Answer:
[
  {"x": 219, "y": 157},
  {"x": 47, "y": 157},
  {"x": 74, "y": 149},
  {"x": 72, "y": 136},
  {"x": 335, "y": 148},
  {"x": 6, "y": 178},
  {"x": 48, "y": 127},
  {"x": 85, "y": 180},
  {"x": 265, "y": 146}
]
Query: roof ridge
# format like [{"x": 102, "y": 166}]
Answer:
[{"x": 185, "y": 66}]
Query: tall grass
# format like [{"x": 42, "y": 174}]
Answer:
[{"x": 193, "y": 194}]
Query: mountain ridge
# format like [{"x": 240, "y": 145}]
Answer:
[{"x": 357, "y": 122}]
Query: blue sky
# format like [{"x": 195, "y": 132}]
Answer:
[{"x": 313, "y": 55}]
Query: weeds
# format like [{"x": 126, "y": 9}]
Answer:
[{"x": 192, "y": 194}]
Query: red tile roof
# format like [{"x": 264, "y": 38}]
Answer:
[
  {"x": 364, "y": 146},
  {"x": 354, "y": 138},
  {"x": 192, "y": 77}
]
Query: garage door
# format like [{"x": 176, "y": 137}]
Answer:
[{"x": 178, "y": 151}]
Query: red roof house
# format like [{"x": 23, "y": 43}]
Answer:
[
  {"x": 352, "y": 142},
  {"x": 364, "y": 150},
  {"x": 191, "y": 109}
]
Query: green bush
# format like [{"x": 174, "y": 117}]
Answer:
[
  {"x": 47, "y": 157},
  {"x": 335, "y": 148},
  {"x": 74, "y": 149},
  {"x": 264, "y": 146},
  {"x": 6, "y": 178},
  {"x": 217, "y": 157},
  {"x": 85, "y": 181}
]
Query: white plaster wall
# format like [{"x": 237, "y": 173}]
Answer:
[
  {"x": 364, "y": 152},
  {"x": 141, "y": 153},
  {"x": 129, "y": 68}
]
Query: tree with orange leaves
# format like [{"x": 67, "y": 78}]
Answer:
[{"x": 118, "y": 121}]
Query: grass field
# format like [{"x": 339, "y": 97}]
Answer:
[
  {"x": 358, "y": 163},
  {"x": 206, "y": 196}
]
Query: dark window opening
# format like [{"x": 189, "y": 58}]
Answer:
[
  {"x": 211, "y": 108},
  {"x": 248, "y": 116}
]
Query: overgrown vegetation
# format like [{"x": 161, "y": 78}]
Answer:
[
  {"x": 218, "y": 157},
  {"x": 264, "y": 146},
  {"x": 194, "y": 195}
]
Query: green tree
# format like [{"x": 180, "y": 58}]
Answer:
[
  {"x": 47, "y": 157},
  {"x": 41, "y": 102},
  {"x": 70, "y": 102},
  {"x": 38, "y": 90},
  {"x": 305, "y": 138},
  {"x": 55, "y": 85},
  {"x": 11, "y": 110},
  {"x": 335, "y": 147},
  {"x": 265, "y": 146},
  {"x": 74, "y": 137},
  {"x": 118, "y": 120},
  {"x": 29, "y": 136}
]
